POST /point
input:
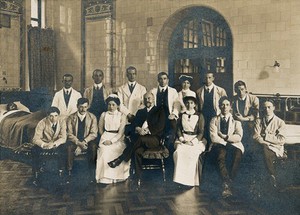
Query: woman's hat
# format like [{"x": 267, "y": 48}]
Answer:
[
  {"x": 187, "y": 98},
  {"x": 183, "y": 78},
  {"x": 113, "y": 97}
]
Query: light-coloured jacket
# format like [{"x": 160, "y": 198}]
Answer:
[
  {"x": 90, "y": 129},
  {"x": 235, "y": 132},
  {"x": 59, "y": 102},
  {"x": 44, "y": 133},
  {"x": 274, "y": 133},
  {"x": 251, "y": 106},
  {"x": 131, "y": 102},
  {"x": 88, "y": 93},
  {"x": 218, "y": 93},
  {"x": 173, "y": 102}
]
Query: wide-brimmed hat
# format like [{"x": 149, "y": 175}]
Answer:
[
  {"x": 183, "y": 78},
  {"x": 187, "y": 98}
]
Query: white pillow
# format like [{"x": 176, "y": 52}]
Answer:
[{"x": 20, "y": 106}]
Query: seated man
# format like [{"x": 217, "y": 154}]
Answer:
[
  {"x": 269, "y": 131},
  {"x": 149, "y": 125},
  {"x": 82, "y": 132},
  {"x": 245, "y": 109},
  {"x": 50, "y": 134},
  {"x": 226, "y": 135}
]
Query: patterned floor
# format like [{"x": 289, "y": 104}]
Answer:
[{"x": 19, "y": 196}]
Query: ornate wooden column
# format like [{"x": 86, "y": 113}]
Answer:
[{"x": 102, "y": 12}]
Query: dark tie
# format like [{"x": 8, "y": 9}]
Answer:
[
  {"x": 162, "y": 90},
  {"x": 207, "y": 90},
  {"x": 131, "y": 87},
  {"x": 54, "y": 127},
  {"x": 224, "y": 125},
  {"x": 67, "y": 97}
]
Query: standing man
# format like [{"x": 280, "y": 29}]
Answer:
[
  {"x": 269, "y": 131},
  {"x": 131, "y": 94},
  {"x": 245, "y": 109},
  {"x": 226, "y": 135},
  {"x": 167, "y": 98},
  {"x": 97, "y": 94},
  {"x": 66, "y": 99},
  {"x": 50, "y": 135},
  {"x": 82, "y": 132},
  {"x": 209, "y": 96}
]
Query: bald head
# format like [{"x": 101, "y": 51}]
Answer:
[{"x": 148, "y": 99}]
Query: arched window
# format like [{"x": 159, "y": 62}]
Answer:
[{"x": 201, "y": 42}]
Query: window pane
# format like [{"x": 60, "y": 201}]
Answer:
[
  {"x": 34, "y": 9},
  {"x": 43, "y": 13},
  {"x": 190, "y": 35},
  {"x": 34, "y": 23}
]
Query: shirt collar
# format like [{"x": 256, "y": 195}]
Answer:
[
  {"x": 98, "y": 85},
  {"x": 268, "y": 118},
  {"x": 162, "y": 88},
  {"x": 70, "y": 89},
  {"x": 81, "y": 117},
  {"x": 148, "y": 109},
  {"x": 113, "y": 112},
  {"x": 209, "y": 87},
  {"x": 190, "y": 112},
  {"x": 226, "y": 116},
  {"x": 130, "y": 83},
  {"x": 243, "y": 99}
]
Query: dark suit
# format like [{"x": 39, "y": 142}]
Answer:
[
  {"x": 89, "y": 136},
  {"x": 156, "y": 125}
]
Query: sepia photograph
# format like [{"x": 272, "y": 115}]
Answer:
[{"x": 149, "y": 107}]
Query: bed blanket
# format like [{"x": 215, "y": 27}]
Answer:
[{"x": 18, "y": 128}]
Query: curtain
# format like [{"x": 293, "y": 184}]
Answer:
[{"x": 41, "y": 55}]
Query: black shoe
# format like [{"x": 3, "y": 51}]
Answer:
[
  {"x": 69, "y": 177},
  {"x": 61, "y": 177},
  {"x": 116, "y": 162},
  {"x": 226, "y": 191},
  {"x": 35, "y": 183},
  {"x": 101, "y": 185},
  {"x": 273, "y": 181},
  {"x": 36, "y": 180}
]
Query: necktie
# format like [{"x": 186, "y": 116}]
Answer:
[
  {"x": 224, "y": 127},
  {"x": 67, "y": 92},
  {"x": 162, "y": 90},
  {"x": 54, "y": 127},
  {"x": 97, "y": 88},
  {"x": 131, "y": 86}
]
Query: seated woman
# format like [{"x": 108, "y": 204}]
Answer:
[
  {"x": 189, "y": 146},
  {"x": 186, "y": 82},
  {"x": 111, "y": 145}
]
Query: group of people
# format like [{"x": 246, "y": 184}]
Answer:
[{"x": 115, "y": 129}]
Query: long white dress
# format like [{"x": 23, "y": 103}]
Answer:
[
  {"x": 114, "y": 123},
  {"x": 186, "y": 156}
]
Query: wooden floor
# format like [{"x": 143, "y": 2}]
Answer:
[{"x": 19, "y": 196}]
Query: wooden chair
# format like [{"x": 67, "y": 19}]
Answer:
[{"x": 160, "y": 153}]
